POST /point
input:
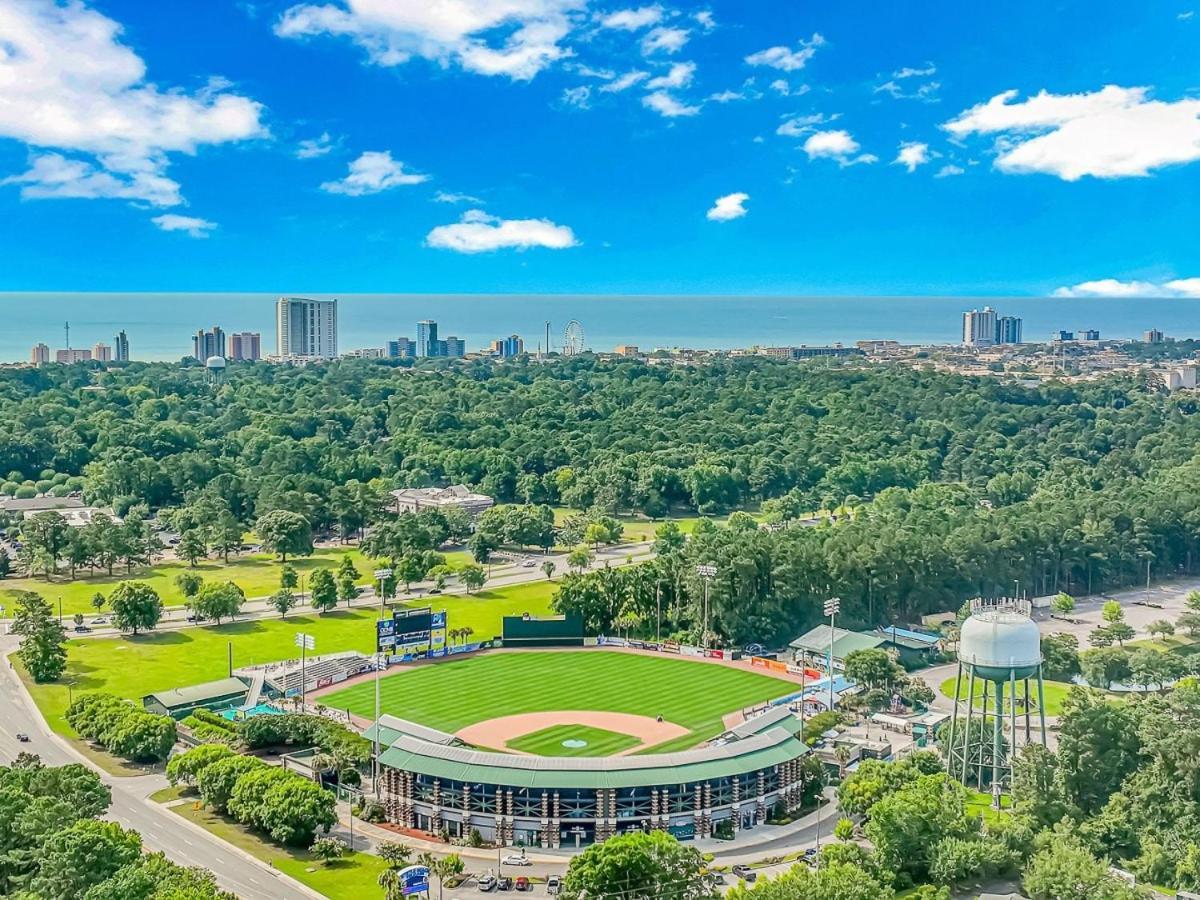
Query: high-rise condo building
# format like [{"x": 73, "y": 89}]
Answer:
[
  {"x": 509, "y": 346},
  {"x": 245, "y": 345},
  {"x": 1153, "y": 336},
  {"x": 39, "y": 355},
  {"x": 979, "y": 327},
  {"x": 453, "y": 347},
  {"x": 121, "y": 347},
  {"x": 427, "y": 339},
  {"x": 208, "y": 343},
  {"x": 69, "y": 356},
  {"x": 305, "y": 329},
  {"x": 101, "y": 352},
  {"x": 1008, "y": 330},
  {"x": 401, "y": 348}
]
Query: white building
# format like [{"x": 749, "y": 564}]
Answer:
[
  {"x": 979, "y": 327},
  {"x": 415, "y": 499},
  {"x": 305, "y": 329},
  {"x": 1179, "y": 378}
]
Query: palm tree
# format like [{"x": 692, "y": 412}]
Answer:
[
  {"x": 392, "y": 884},
  {"x": 548, "y": 567}
]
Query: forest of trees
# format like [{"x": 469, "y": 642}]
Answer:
[{"x": 945, "y": 486}]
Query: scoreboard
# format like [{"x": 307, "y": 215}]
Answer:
[{"x": 412, "y": 633}]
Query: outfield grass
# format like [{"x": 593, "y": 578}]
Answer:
[
  {"x": 135, "y": 666},
  {"x": 455, "y": 693},
  {"x": 352, "y": 877},
  {"x": 1055, "y": 693},
  {"x": 549, "y": 741}
]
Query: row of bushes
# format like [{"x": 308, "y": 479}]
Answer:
[
  {"x": 209, "y": 728},
  {"x": 298, "y": 730},
  {"x": 287, "y": 806},
  {"x": 122, "y": 728}
]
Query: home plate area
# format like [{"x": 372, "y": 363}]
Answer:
[{"x": 571, "y": 733}]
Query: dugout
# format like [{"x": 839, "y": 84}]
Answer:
[{"x": 550, "y": 631}]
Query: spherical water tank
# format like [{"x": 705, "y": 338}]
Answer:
[
  {"x": 215, "y": 363},
  {"x": 1000, "y": 641}
]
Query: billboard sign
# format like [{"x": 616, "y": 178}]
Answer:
[{"x": 414, "y": 880}]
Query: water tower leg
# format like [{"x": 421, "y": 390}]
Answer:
[
  {"x": 1012, "y": 721},
  {"x": 982, "y": 735},
  {"x": 967, "y": 733},
  {"x": 954, "y": 719},
  {"x": 1041, "y": 705},
  {"x": 997, "y": 734},
  {"x": 1027, "y": 710}
]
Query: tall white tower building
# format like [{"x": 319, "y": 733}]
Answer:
[
  {"x": 979, "y": 327},
  {"x": 305, "y": 329}
]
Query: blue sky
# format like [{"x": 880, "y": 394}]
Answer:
[{"x": 904, "y": 148}]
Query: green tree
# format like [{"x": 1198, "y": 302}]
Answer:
[
  {"x": 1098, "y": 748},
  {"x": 98, "y": 601},
  {"x": 135, "y": 606},
  {"x": 328, "y": 849},
  {"x": 347, "y": 589},
  {"x": 833, "y": 881},
  {"x": 189, "y": 584},
  {"x": 289, "y": 579},
  {"x": 873, "y": 668},
  {"x": 1065, "y": 870},
  {"x": 654, "y": 861},
  {"x": 548, "y": 567},
  {"x": 82, "y": 855},
  {"x": 1036, "y": 787},
  {"x": 472, "y": 576},
  {"x": 1060, "y": 656},
  {"x": 1160, "y": 627},
  {"x": 283, "y": 532},
  {"x": 448, "y": 866},
  {"x": 395, "y": 854},
  {"x": 218, "y": 601},
  {"x": 906, "y": 826},
  {"x": 282, "y": 601},
  {"x": 43, "y": 649},
  {"x": 1112, "y": 612},
  {"x": 217, "y": 780},
  {"x": 579, "y": 558},
  {"x": 184, "y": 767},
  {"x": 1063, "y": 604},
  {"x": 323, "y": 594},
  {"x": 192, "y": 546}
]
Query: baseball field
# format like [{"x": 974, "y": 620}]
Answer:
[{"x": 567, "y": 703}]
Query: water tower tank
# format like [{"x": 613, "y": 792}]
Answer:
[
  {"x": 1000, "y": 641},
  {"x": 215, "y": 364}
]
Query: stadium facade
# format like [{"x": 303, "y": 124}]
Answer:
[{"x": 434, "y": 783}]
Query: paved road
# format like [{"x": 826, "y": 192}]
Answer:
[{"x": 161, "y": 829}]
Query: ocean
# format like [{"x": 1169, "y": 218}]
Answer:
[{"x": 160, "y": 326}]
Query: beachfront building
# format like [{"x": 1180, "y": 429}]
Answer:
[{"x": 305, "y": 329}]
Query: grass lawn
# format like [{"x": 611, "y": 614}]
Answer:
[
  {"x": 1180, "y": 644},
  {"x": 257, "y": 575},
  {"x": 980, "y": 804},
  {"x": 549, "y": 741},
  {"x": 1055, "y": 693},
  {"x": 452, "y": 694},
  {"x": 638, "y": 528},
  {"x": 354, "y": 876},
  {"x": 133, "y": 667}
]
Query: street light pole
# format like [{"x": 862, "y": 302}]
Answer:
[
  {"x": 707, "y": 572},
  {"x": 832, "y": 607},
  {"x": 381, "y": 575}
]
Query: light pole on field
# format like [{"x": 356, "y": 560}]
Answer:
[
  {"x": 381, "y": 575},
  {"x": 707, "y": 572},
  {"x": 305, "y": 642},
  {"x": 832, "y": 607}
]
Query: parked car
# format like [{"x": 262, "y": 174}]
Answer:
[
  {"x": 745, "y": 873},
  {"x": 516, "y": 859},
  {"x": 755, "y": 649},
  {"x": 523, "y": 884},
  {"x": 100, "y": 621},
  {"x": 810, "y": 856},
  {"x": 504, "y": 883},
  {"x": 196, "y": 619},
  {"x": 487, "y": 882},
  {"x": 81, "y": 629},
  {"x": 529, "y": 564},
  {"x": 434, "y": 590},
  {"x": 553, "y": 885},
  {"x": 22, "y": 737}
]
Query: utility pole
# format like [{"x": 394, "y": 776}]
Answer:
[
  {"x": 707, "y": 572},
  {"x": 305, "y": 642},
  {"x": 832, "y": 607},
  {"x": 658, "y": 608}
]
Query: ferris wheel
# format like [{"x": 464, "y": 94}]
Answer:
[{"x": 573, "y": 338}]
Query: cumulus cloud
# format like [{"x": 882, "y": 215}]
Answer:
[
  {"x": 666, "y": 105},
  {"x": 731, "y": 206},
  {"x": 69, "y": 86},
  {"x": 1115, "y": 132},
  {"x": 197, "y": 228},
  {"x": 314, "y": 147},
  {"x": 449, "y": 197},
  {"x": 1114, "y": 287},
  {"x": 836, "y": 145},
  {"x": 705, "y": 19},
  {"x": 667, "y": 40},
  {"x": 798, "y": 126},
  {"x": 949, "y": 170},
  {"x": 478, "y": 232},
  {"x": 579, "y": 97},
  {"x": 371, "y": 173},
  {"x": 901, "y": 87},
  {"x": 633, "y": 19},
  {"x": 785, "y": 58},
  {"x": 514, "y": 38},
  {"x": 678, "y": 76},
  {"x": 625, "y": 82},
  {"x": 911, "y": 155}
]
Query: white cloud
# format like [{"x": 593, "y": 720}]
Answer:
[
  {"x": 836, "y": 145},
  {"x": 678, "y": 76},
  {"x": 727, "y": 96},
  {"x": 705, "y": 19},
  {"x": 666, "y": 105},
  {"x": 1185, "y": 15},
  {"x": 912, "y": 154},
  {"x": 926, "y": 93},
  {"x": 785, "y": 58},
  {"x": 449, "y": 197},
  {"x": 1111, "y": 133},
  {"x": 731, "y": 206},
  {"x": 313, "y": 147},
  {"x": 1113, "y": 287},
  {"x": 949, "y": 170},
  {"x": 798, "y": 126},
  {"x": 68, "y": 84},
  {"x": 909, "y": 72},
  {"x": 371, "y": 173},
  {"x": 668, "y": 40},
  {"x": 478, "y": 232},
  {"x": 633, "y": 19},
  {"x": 579, "y": 97},
  {"x": 197, "y": 228},
  {"x": 624, "y": 82},
  {"x": 462, "y": 32}
]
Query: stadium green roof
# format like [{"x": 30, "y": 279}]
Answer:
[
  {"x": 844, "y": 642},
  {"x": 198, "y": 694}
]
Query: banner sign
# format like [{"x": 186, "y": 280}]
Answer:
[{"x": 414, "y": 880}]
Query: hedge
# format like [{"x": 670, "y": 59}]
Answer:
[{"x": 122, "y": 728}]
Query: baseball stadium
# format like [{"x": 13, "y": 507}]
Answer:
[{"x": 549, "y": 743}]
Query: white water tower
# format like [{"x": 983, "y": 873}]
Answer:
[
  {"x": 215, "y": 367},
  {"x": 999, "y": 645}
]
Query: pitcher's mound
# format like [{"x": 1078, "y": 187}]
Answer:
[{"x": 571, "y": 733}]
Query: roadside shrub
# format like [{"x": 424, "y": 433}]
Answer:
[
  {"x": 186, "y": 766},
  {"x": 122, "y": 728},
  {"x": 217, "y": 781}
]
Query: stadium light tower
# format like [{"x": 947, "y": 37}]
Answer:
[
  {"x": 304, "y": 642},
  {"x": 708, "y": 573},
  {"x": 832, "y": 607},
  {"x": 381, "y": 575}
]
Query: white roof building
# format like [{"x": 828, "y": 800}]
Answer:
[{"x": 416, "y": 499}]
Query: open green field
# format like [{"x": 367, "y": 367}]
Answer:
[
  {"x": 256, "y": 574},
  {"x": 550, "y": 741},
  {"x": 452, "y": 694},
  {"x": 133, "y": 667},
  {"x": 1055, "y": 693},
  {"x": 639, "y": 528}
]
